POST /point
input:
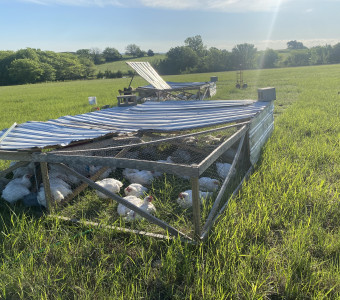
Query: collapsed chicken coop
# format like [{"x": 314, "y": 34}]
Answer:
[
  {"x": 161, "y": 90},
  {"x": 190, "y": 157}
]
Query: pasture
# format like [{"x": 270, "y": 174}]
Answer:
[{"x": 278, "y": 239}]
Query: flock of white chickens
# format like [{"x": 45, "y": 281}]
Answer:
[{"x": 61, "y": 184}]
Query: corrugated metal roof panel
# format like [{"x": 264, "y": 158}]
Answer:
[{"x": 160, "y": 116}]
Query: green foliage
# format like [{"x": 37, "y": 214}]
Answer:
[
  {"x": 150, "y": 53},
  {"x": 295, "y": 45},
  {"x": 196, "y": 44},
  {"x": 298, "y": 58},
  {"x": 111, "y": 54},
  {"x": 134, "y": 50},
  {"x": 179, "y": 60},
  {"x": 268, "y": 59},
  {"x": 25, "y": 70},
  {"x": 244, "y": 56}
]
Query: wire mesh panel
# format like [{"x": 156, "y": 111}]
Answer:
[{"x": 168, "y": 160}]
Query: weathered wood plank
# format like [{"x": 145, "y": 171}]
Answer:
[
  {"x": 206, "y": 230},
  {"x": 47, "y": 188},
  {"x": 196, "y": 209},
  {"x": 15, "y": 155},
  {"x": 218, "y": 199},
  {"x": 177, "y": 169}
]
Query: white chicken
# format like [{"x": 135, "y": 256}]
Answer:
[
  {"x": 111, "y": 184},
  {"x": 144, "y": 204},
  {"x": 94, "y": 169},
  {"x": 223, "y": 169},
  {"x": 21, "y": 171},
  {"x": 59, "y": 189},
  {"x": 135, "y": 189},
  {"x": 17, "y": 189},
  {"x": 64, "y": 175},
  {"x": 142, "y": 177},
  {"x": 185, "y": 198},
  {"x": 209, "y": 184}
]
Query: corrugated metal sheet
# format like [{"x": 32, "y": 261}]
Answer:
[
  {"x": 161, "y": 116},
  {"x": 260, "y": 130},
  {"x": 145, "y": 70}
]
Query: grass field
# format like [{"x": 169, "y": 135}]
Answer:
[{"x": 278, "y": 239}]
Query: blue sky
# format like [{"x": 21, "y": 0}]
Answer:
[{"x": 69, "y": 25}]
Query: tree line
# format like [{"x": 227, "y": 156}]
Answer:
[
  {"x": 194, "y": 57},
  {"x": 33, "y": 65}
]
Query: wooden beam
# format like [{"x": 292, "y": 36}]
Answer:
[
  {"x": 177, "y": 169},
  {"x": 47, "y": 187},
  {"x": 116, "y": 228},
  {"x": 16, "y": 155},
  {"x": 206, "y": 231},
  {"x": 218, "y": 199},
  {"x": 196, "y": 209},
  {"x": 126, "y": 203}
]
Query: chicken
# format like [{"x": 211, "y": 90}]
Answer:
[
  {"x": 144, "y": 204},
  {"x": 111, "y": 184},
  {"x": 208, "y": 184},
  {"x": 223, "y": 169},
  {"x": 21, "y": 171},
  {"x": 94, "y": 169},
  {"x": 185, "y": 198},
  {"x": 135, "y": 189},
  {"x": 3, "y": 183},
  {"x": 17, "y": 188},
  {"x": 142, "y": 177},
  {"x": 59, "y": 189},
  {"x": 64, "y": 175}
]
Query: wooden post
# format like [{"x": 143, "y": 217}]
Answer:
[
  {"x": 47, "y": 188},
  {"x": 196, "y": 209}
]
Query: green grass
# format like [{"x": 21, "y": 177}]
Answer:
[{"x": 279, "y": 239}]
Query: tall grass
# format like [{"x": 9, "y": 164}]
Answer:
[{"x": 278, "y": 239}]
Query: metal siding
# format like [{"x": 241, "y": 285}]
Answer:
[
  {"x": 163, "y": 116},
  {"x": 260, "y": 130}
]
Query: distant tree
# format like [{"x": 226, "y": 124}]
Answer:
[
  {"x": 84, "y": 53},
  {"x": 111, "y": 54},
  {"x": 134, "y": 50},
  {"x": 335, "y": 54},
  {"x": 320, "y": 55},
  {"x": 244, "y": 56},
  {"x": 267, "y": 59},
  {"x": 150, "y": 53},
  {"x": 179, "y": 60},
  {"x": 196, "y": 44},
  {"x": 216, "y": 61},
  {"x": 25, "y": 70},
  {"x": 97, "y": 56},
  {"x": 295, "y": 45},
  {"x": 298, "y": 58}
]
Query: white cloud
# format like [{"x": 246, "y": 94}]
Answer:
[{"x": 211, "y": 5}]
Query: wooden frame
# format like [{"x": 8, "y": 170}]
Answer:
[{"x": 251, "y": 134}]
